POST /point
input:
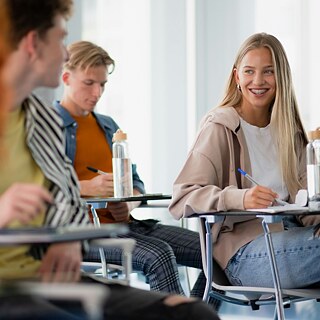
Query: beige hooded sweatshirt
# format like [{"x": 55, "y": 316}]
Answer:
[{"x": 209, "y": 181}]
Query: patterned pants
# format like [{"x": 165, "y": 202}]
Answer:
[{"x": 158, "y": 250}]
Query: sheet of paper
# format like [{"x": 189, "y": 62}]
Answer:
[
  {"x": 274, "y": 209},
  {"x": 300, "y": 204}
]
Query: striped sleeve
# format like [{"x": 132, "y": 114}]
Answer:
[{"x": 46, "y": 142}]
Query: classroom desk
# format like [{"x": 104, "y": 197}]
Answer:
[
  {"x": 92, "y": 296},
  {"x": 142, "y": 197},
  {"x": 19, "y": 236},
  {"x": 156, "y": 198},
  {"x": 267, "y": 217}
]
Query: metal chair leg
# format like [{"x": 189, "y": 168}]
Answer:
[{"x": 209, "y": 261}]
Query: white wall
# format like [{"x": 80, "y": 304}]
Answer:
[
  {"x": 173, "y": 58},
  {"x": 74, "y": 28}
]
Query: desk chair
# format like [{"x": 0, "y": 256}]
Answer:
[
  {"x": 92, "y": 296},
  {"x": 112, "y": 271},
  {"x": 219, "y": 287}
]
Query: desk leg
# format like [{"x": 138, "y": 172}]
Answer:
[
  {"x": 209, "y": 261},
  {"x": 274, "y": 271},
  {"x": 96, "y": 222}
]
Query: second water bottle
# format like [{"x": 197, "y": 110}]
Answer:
[
  {"x": 121, "y": 166},
  {"x": 313, "y": 169}
]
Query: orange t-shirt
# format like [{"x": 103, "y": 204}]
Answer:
[{"x": 92, "y": 150}]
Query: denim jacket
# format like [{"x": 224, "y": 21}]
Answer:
[{"x": 107, "y": 124}]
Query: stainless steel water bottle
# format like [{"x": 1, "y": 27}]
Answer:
[{"x": 313, "y": 169}]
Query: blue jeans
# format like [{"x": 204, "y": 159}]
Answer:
[{"x": 297, "y": 256}]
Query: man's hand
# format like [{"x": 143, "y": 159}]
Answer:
[
  {"x": 121, "y": 210},
  {"x": 259, "y": 197},
  {"x": 61, "y": 263},
  {"x": 101, "y": 185},
  {"x": 23, "y": 202}
]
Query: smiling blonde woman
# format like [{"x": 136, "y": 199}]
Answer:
[{"x": 257, "y": 128}]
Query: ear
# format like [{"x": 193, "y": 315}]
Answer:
[
  {"x": 235, "y": 75},
  {"x": 31, "y": 44},
  {"x": 65, "y": 77}
]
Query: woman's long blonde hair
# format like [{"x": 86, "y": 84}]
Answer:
[{"x": 285, "y": 119}]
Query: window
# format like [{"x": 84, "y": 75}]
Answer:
[{"x": 172, "y": 62}]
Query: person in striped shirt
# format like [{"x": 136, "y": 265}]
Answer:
[{"x": 38, "y": 185}]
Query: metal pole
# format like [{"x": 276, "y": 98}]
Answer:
[{"x": 274, "y": 271}]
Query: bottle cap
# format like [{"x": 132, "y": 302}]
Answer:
[
  {"x": 310, "y": 135},
  {"x": 119, "y": 135},
  {"x": 316, "y": 134}
]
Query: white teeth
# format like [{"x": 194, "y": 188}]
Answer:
[{"x": 261, "y": 91}]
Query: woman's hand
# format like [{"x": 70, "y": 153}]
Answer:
[{"x": 259, "y": 197}]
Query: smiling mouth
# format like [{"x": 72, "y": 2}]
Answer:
[{"x": 258, "y": 92}]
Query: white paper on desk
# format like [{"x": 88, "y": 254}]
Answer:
[
  {"x": 275, "y": 209},
  {"x": 300, "y": 204}
]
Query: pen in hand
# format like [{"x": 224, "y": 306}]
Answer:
[
  {"x": 96, "y": 170},
  {"x": 246, "y": 175}
]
